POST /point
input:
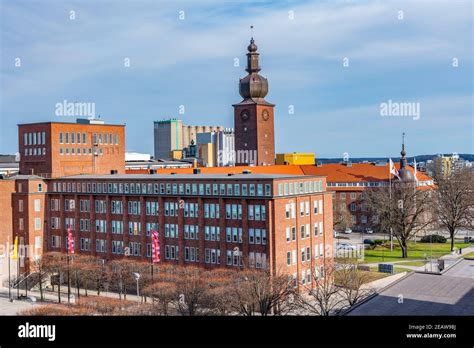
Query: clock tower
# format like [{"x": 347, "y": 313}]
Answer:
[{"x": 253, "y": 117}]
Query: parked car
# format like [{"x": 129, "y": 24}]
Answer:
[
  {"x": 346, "y": 246},
  {"x": 369, "y": 241},
  {"x": 368, "y": 230},
  {"x": 347, "y": 230}
]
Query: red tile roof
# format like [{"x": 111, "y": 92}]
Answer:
[{"x": 357, "y": 172}]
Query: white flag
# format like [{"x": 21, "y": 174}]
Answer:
[
  {"x": 414, "y": 166},
  {"x": 392, "y": 168}
]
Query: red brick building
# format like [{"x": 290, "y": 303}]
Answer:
[
  {"x": 55, "y": 149},
  {"x": 280, "y": 222}
]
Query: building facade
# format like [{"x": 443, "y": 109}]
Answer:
[
  {"x": 277, "y": 222},
  {"x": 295, "y": 158},
  {"x": 173, "y": 134},
  {"x": 55, "y": 149}
]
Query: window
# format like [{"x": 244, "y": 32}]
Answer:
[
  {"x": 301, "y": 208},
  {"x": 37, "y": 205},
  {"x": 293, "y": 257},
  {"x": 37, "y": 224},
  {"x": 288, "y": 258},
  {"x": 251, "y": 236},
  {"x": 288, "y": 236},
  {"x": 268, "y": 190},
  {"x": 40, "y": 187}
]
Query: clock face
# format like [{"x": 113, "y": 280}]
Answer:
[
  {"x": 244, "y": 115},
  {"x": 265, "y": 115}
]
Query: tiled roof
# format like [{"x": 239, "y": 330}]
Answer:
[{"x": 357, "y": 172}]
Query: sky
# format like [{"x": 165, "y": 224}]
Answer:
[{"x": 331, "y": 65}]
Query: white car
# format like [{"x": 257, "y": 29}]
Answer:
[
  {"x": 369, "y": 230},
  {"x": 335, "y": 234},
  {"x": 347, "y": 230},
  {"x": 346, "y": 246}
]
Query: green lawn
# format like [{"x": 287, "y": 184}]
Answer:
[
  {"x": 469, "y": 255},
  {"x": 382, "y": 253}
]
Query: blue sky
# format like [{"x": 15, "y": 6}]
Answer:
[{"x": 190, "y": 62}]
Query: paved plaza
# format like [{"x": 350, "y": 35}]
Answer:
[{"x": 451, "y": 293}]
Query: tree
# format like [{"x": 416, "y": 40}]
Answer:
[
  {"x": 405, "y": 211},
  {"x": 454, "y": 203},
  {"x": 341, "y": 215},
  {"x": 164, "y": 293},
  {"x": 54, "y": 262},
  {"x": 351, "y": 281},
  {"x": 41, "y": 269},
  {"x": 324, "y": 297},
  {"x": 191, "y": 286},
  {"x": 263, "y": 291}
]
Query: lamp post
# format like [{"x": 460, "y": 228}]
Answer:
[{"x": 137, "y": 277}]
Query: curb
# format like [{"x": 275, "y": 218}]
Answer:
[
  {"x": 444, "y": 270},
  {"x": 376, "y": 293}
]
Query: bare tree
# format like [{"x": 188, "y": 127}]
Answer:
[
  {"x": 263, "y": 291},
  {"x": 454, "y": 202},
  {"x": 54, "y": 263},
  {"x": 40, "y": 267},
  {"x": 352, "y": 281},
  {"x": 324, "y": 297},
  {"x": 405, "y": 210},
  {"x": 164, "y": 293},
  {"x": 191, "y": 286},
  {"x": 341, "y": 215}
]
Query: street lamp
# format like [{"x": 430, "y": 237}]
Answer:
[{"x": 137, "y": 277}]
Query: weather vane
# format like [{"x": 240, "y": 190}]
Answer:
[{"x": 251, "y": 31}]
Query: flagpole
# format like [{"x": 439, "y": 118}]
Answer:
[
  {"x": 9, "y": 272},
  {"x": 18, "y": 276},
  {"x": 68, "y": 275},
  {"x": 390, "y": 206}
]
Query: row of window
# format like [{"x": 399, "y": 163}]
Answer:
[
  {"x": 85, "y": 151},
  {"x": 305, "y": 254},
  {"x": 259, "y": 190},
  {"x": 285, "y": 189},
  {"x": 34, "y": 138},
  {"x": 191, "y": 254},
  {"x": 33, "y": 151},
  {"x": 305, "y": 231},
  {"x": 290, "y": 209},
  {"x": 81, "y": 138}
]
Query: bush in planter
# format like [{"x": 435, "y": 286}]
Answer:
[{"x": 434, "y": 238}]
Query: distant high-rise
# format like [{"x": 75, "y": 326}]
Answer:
[
  {"x": 253, "y": 116},
  {"x": 173, "y": 134}
]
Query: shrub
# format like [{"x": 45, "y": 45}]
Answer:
[{"x": 434, "y": 238}]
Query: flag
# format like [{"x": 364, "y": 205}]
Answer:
[
  {"x": 414, "y": 166},
  {"x": 155, "y": 247},
  {"x": 392, "y": 168},
  {"x": 15, "y": 249},
  {"x": 70, "y": 241}
]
